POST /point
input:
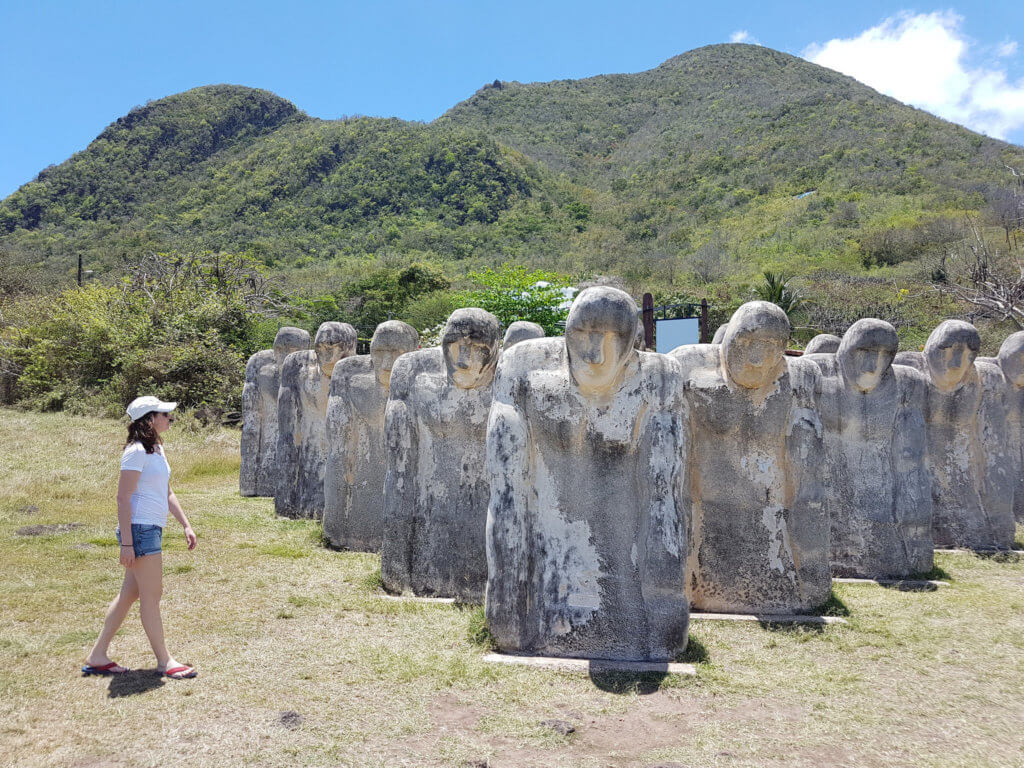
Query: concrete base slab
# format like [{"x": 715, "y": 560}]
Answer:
[
  {"x": 904, "y": 583},
  {"x": 960, "y": 551},
  {"x": 766, "y": 618},
  {"x": 414, "y": 599},
  {"x": 592, "y": 665}
]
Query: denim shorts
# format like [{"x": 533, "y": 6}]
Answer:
[{"x": 145, "y": 538}]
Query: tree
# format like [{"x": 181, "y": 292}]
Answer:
[
  {"x": 985, "y": 278},
  {"x": 513, "y": 293},
  {"x": 775, "y": 289}
]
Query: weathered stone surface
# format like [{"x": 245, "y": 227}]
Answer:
[
  {"x": 521, "y": 330},
  {"x": 759, "y": 536},
  {"x": 720, "y": 334},
  {"x": 966, "y": 510},
  {"x": 877, "y": 486},
  {"x": 823, "y": 344},
  {"x": 302, "y": 417},
  {"x": 586, "y": 531},
  {"x": 356, "y": 459},
  {"x": 1011, "y": 362},
  {"x": 436, "y": 490},
  {"x": 258, "y": 473}
]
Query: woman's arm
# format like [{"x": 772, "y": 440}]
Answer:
[
  {"x": 179, "y": 515},
  {"x": 126, "y": 483}
]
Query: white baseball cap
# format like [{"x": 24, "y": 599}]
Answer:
[{"x": 140, "y": 406}]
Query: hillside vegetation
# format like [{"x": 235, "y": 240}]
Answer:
[{"x": 689, "y": 180}]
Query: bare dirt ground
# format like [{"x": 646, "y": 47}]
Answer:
[{"x": 302, "y": 663}]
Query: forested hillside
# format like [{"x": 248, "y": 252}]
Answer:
[{"x": 690, "y": 180}]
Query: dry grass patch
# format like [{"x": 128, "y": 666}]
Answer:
[{"x": 302, "y": 661}]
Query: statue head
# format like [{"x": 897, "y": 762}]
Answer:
[
  {"x": 949, "y": 353},
  {"x": 1011, "y": 359},
  {"x": 866, "y": 353},
  {"x": 333, "y": 342},
  {"x": 469, "y": 342},
  {"x": 390, "y": 341},
  {"x": 599, "y": 336},
  {"x": 289, "y": 340},
  {"x": 753, "y": 350},
  {"x": 823, "y": 343},
  {"x": 521, "y": 330}
]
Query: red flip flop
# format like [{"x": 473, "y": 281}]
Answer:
[
  {"x": 113, "y": 668},
  {"x": 180, "y": 673}
]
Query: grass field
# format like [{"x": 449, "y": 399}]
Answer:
[{"x": 301, "y": 662}]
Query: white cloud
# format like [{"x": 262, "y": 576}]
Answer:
[
  {"x": 922, "y": 59},
  {"x": 1006, "y": 49},
  {"x": 742, "y": 36}
]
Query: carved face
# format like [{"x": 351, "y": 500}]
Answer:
[
  {"x": 754, "y": 357},
  {"x": 599, "y": 336},
  {"x": 950, "y": 353},
  {"x": 866, "y": 352},
  {"x": 472, "y": 362},
  {"x": 334, "y": 342},
  {"x": 865, "y": 366},
  {"x": 1011, "y": 359},
  {"x": 754, "y": 344},
  {"x": 470, "y": 346},
  {"x": 596, "y": 354}
]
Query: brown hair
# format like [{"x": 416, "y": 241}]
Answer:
[{"x": 142, "y": 431}]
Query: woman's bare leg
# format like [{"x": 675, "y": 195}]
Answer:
[
  {"x": 116, "y": 613},
  {"x": 149, "y": 573}
]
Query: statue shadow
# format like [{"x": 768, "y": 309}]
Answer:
[
  {"x": 134, "y": 682},
  {"x": 910, "y": 586},
  {"x": 623, "y": 682},
  {"x": 935, "y": 574},
  {"x": 999, "y": 555},
  {"x": 792, "y": 627},
  {"x": 605, "y": 676},
  {"x": 696, "y": 653}
]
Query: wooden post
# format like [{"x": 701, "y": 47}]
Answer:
[
  {"x": 705, "y": 337},
  {"x": 79, "y": 270},
  {"x": 648, "y": 319}
]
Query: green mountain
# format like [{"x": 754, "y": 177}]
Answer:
[
  {"x": 688, "y": 179},
  {"x": 238, "y": 169}
]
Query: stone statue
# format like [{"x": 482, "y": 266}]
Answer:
[
  {"x": 877, "y": 486},
  {"x": 823, "y": 343},
  {"x": 521, "y": 330},
  {"x": 586, "y": 530},
  {"x": 964, "y": 422},
  {"x": 354, "y": 477},
  {"x": 720, "y": 334},
  {"x": 436, "y": 490},
  {"x": 258, "y": 473},
  {"x": 1011, "y": 363},
  {"x": 301, "y": 418},
  {"x": 759, "y": 536}
]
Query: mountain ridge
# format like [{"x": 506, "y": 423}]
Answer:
[{"x": 639, "y": 175}]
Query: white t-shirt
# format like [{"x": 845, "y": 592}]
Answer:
[{"x": 149, "y": 501}]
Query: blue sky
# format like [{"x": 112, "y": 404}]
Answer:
[{"x": 68, "y": 69}]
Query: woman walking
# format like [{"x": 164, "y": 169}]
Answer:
[{"x": 144, "y": 497}]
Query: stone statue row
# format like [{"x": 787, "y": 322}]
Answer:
[{"x": 596, "y": 492}]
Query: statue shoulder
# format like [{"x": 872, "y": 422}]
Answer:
[
  {"x": 826, "y": 362},
  {"x": 347, "y": 368},
  {"x": 693, "y": 356},
  {"x": 410, "y": 365}
]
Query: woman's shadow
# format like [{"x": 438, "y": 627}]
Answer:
[{"x": 134, "y": 682}]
